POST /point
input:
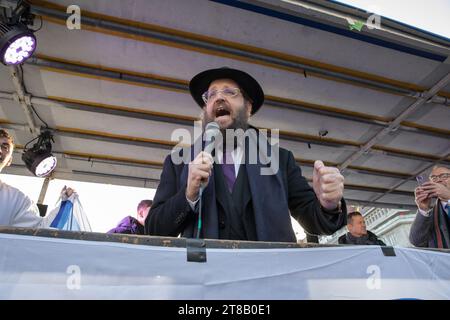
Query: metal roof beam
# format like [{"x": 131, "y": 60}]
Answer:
[
  {"x": 290, "y": 136},
  {"x": 182, "y": 86},
  {"x": 396, "y": 122},
  {"x": 23, "y": 98},
  {"x": 101, "y": 136},
  {"x": 172, "y": 37}
]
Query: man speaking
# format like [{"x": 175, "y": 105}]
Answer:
[{"x": 232, "y": 199}]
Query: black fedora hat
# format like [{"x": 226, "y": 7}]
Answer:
[{"x": 200, "y": 84}]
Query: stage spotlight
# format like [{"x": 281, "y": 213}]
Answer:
[
  {"x": 39, "y": 159},
  {"x": 17, "y": 43}
]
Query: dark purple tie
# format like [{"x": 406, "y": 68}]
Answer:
[{"x": 228, "y": 170}]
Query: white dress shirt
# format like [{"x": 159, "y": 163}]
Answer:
[
  {"x": 16, "y": 209},
  {"x": 445, "y": 206}
]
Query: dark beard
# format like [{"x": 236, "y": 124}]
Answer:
[{"x": 240, "y": 122}]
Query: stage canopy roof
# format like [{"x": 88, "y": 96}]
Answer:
[{"x": 374, "y": 102}]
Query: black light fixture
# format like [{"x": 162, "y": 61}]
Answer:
[
  {"x": 39, "y": 159},
  {"x": 17, "y": 41}
]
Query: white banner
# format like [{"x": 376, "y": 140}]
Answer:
[
  {"x": 68, "y": 214},
  {"x": 50, "y": 268}
]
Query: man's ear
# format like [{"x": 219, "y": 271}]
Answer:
[{"x": 249, "y": 108}]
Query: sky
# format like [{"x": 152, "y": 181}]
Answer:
[{"x": 429, "y": 15}]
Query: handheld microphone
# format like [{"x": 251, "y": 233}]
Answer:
[{"x": 212, "y": 130}]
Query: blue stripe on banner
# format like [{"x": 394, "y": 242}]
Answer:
[
  {"x": 59, "y": 216},
  {"x": 332, "y": 29},
  {"x": 64, "y": 219}
]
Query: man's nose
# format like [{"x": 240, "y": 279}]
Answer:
[{"x": 218, "y": 99}]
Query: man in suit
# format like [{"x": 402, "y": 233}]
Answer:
[
  {"x": 238, "y": 202},
  {"x": 357, "y": 232},
  {"x": 431, "y": 227}
]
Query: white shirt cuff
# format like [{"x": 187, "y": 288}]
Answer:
[
  {"x": 425, "y": 213},
  {"x": 193, "y": 204}
]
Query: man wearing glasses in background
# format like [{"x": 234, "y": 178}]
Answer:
[{"x": 431, "y": 227}]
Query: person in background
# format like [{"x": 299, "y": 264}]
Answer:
[
  {"x": 131, "y": 225},
  {"x": 357, "y": 232},
  {"x": 431, "y": 227}
]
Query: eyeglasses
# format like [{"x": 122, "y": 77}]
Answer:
[
  {"x": 442, "y": 176},
  {"x": 227, "y": 92}
]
